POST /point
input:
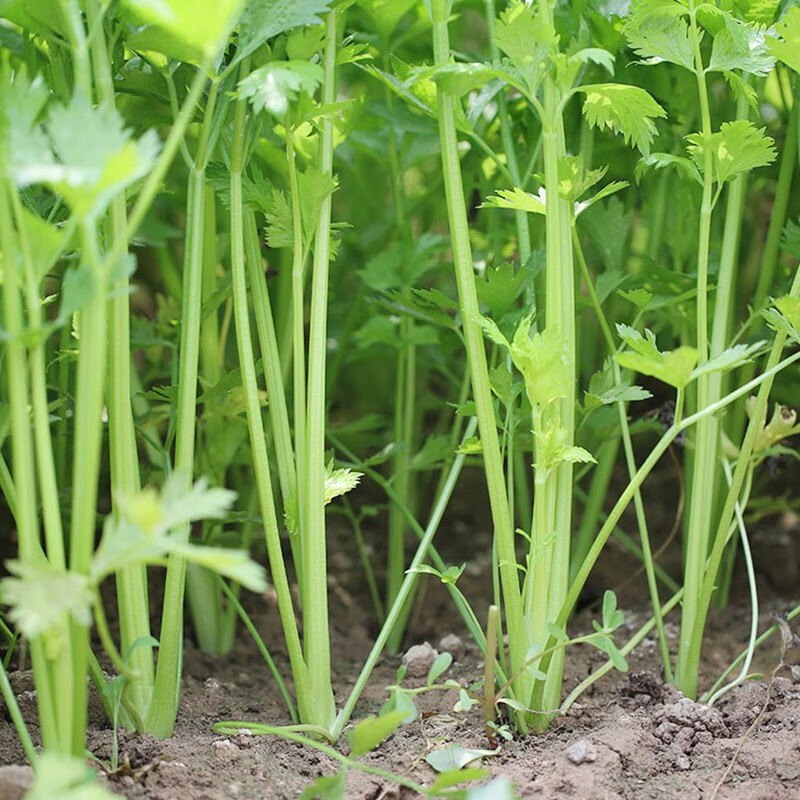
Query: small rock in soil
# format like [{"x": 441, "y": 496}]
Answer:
[
  {"x": 418, "y": 660},
  {"x": 682, "y": 762},
  {"x": 452, "y": 644},
  {"x": 582, "y": 752},
  {"x": 226, "y": 750},
  {"x": 15, "y": 781}
]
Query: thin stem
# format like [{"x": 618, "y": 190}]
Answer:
[
  {"x": 630, "y": 460},
  {"x": 255, "y": 424},
  {"x": 166, "y": 692},
  {"x": 751, "y": 579},
  {"x": 262, "y": 648},
  {"x": 707, "y": 434},
  {"x": 134, "y": 616},
  {"x": 476, "y": 354},
  {"x": 742, "y": 466},
  {"x": 405, "y": 589},
  {"x": 316, "y": 636}
]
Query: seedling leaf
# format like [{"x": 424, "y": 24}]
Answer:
[
  {"x": 455, "y": 757},
  {"x": 400, "y": 702},
  {"x": 326, "y": 787},
  {"x": 465, "y": 702},
  {"x": 603, "y": 642},
  {"x": 445, "y": 780},
  {"x": 440, "y": 665},
  {"x": 557, "y": 633},
  {"x": 612, "y": 616},
  {"x": 498, "y": 789},
  {"x": 370, "y": 732}
]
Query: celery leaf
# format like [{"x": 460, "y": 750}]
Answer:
[{"x": 624, "y": 109}]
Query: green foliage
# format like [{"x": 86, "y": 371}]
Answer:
[
  {"x": 440, "y": 665},
  {"x": 185, "y": 29},
  {"x": 787, "y": 47},
  {"x": 528, "y": 42},
  {"x": 540, "y": 358},
  {"x": 516, "y": 199},
  {"x": 264, "y": 19},
  {"x": 603, "y": 390},
  {"x": 326, "y": 787},
  {"x": 372, "y": 731},
  {"x": 93, "y": 156},
  {"x": 628, "y": 110},
  {"x": 503, "y": 286},
  {"x": 673, "y": 367},
  {"x": 455, "y": 757},
  {"x": 740, "y": 46},
  {"x": 275, "y": 85},
  {"x": 657, "y": 31},
  {"x": 45, "y": 601},
  {"x": 736, "y": 148}
]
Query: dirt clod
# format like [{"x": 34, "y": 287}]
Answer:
[
  {"x": 15, "y": 781},
  {"x": 582, "y": 752},
  {"x": 452, "y": 644},
  {"x": 418, "y": 659}
]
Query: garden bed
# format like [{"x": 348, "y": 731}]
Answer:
[{"x": 631, "y": 735}]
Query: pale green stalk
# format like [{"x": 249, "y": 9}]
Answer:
[
  {"x": 476, "y": 354},
  {"x": 255, "y": 424},
  {"x": 22, "y": 464},
  {"x": 298, "y": 368},
  {"x": 553, "y": 569},
  {"x": 692, "y": 655},
  {"x": 46, "y": 471},
  {"x": 166, "y": 692},
  {"x": 132, "y": 600},
  {"x": 316, "y": 637},
  {"x": 89, "y": 395},
  {"x": 706, "y": 437}
]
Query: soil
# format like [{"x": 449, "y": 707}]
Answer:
[{"x": 629, "y": 736}]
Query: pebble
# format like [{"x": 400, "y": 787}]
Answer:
[
  {"x": 582, "y": 752},
  {"x": 226, "y": 750},
  {"x": 452, "y": 644},
  {"x": 418, "y": 660},
  {"x": 682, "y": 762}
]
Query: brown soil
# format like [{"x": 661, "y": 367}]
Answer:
[{"x": 633, "y": 737}]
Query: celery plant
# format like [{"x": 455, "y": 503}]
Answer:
[
  {"x": 85, "y": 156},
  {"x": 546, "y": 360},
  {"x": 655, "y": 32}
]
